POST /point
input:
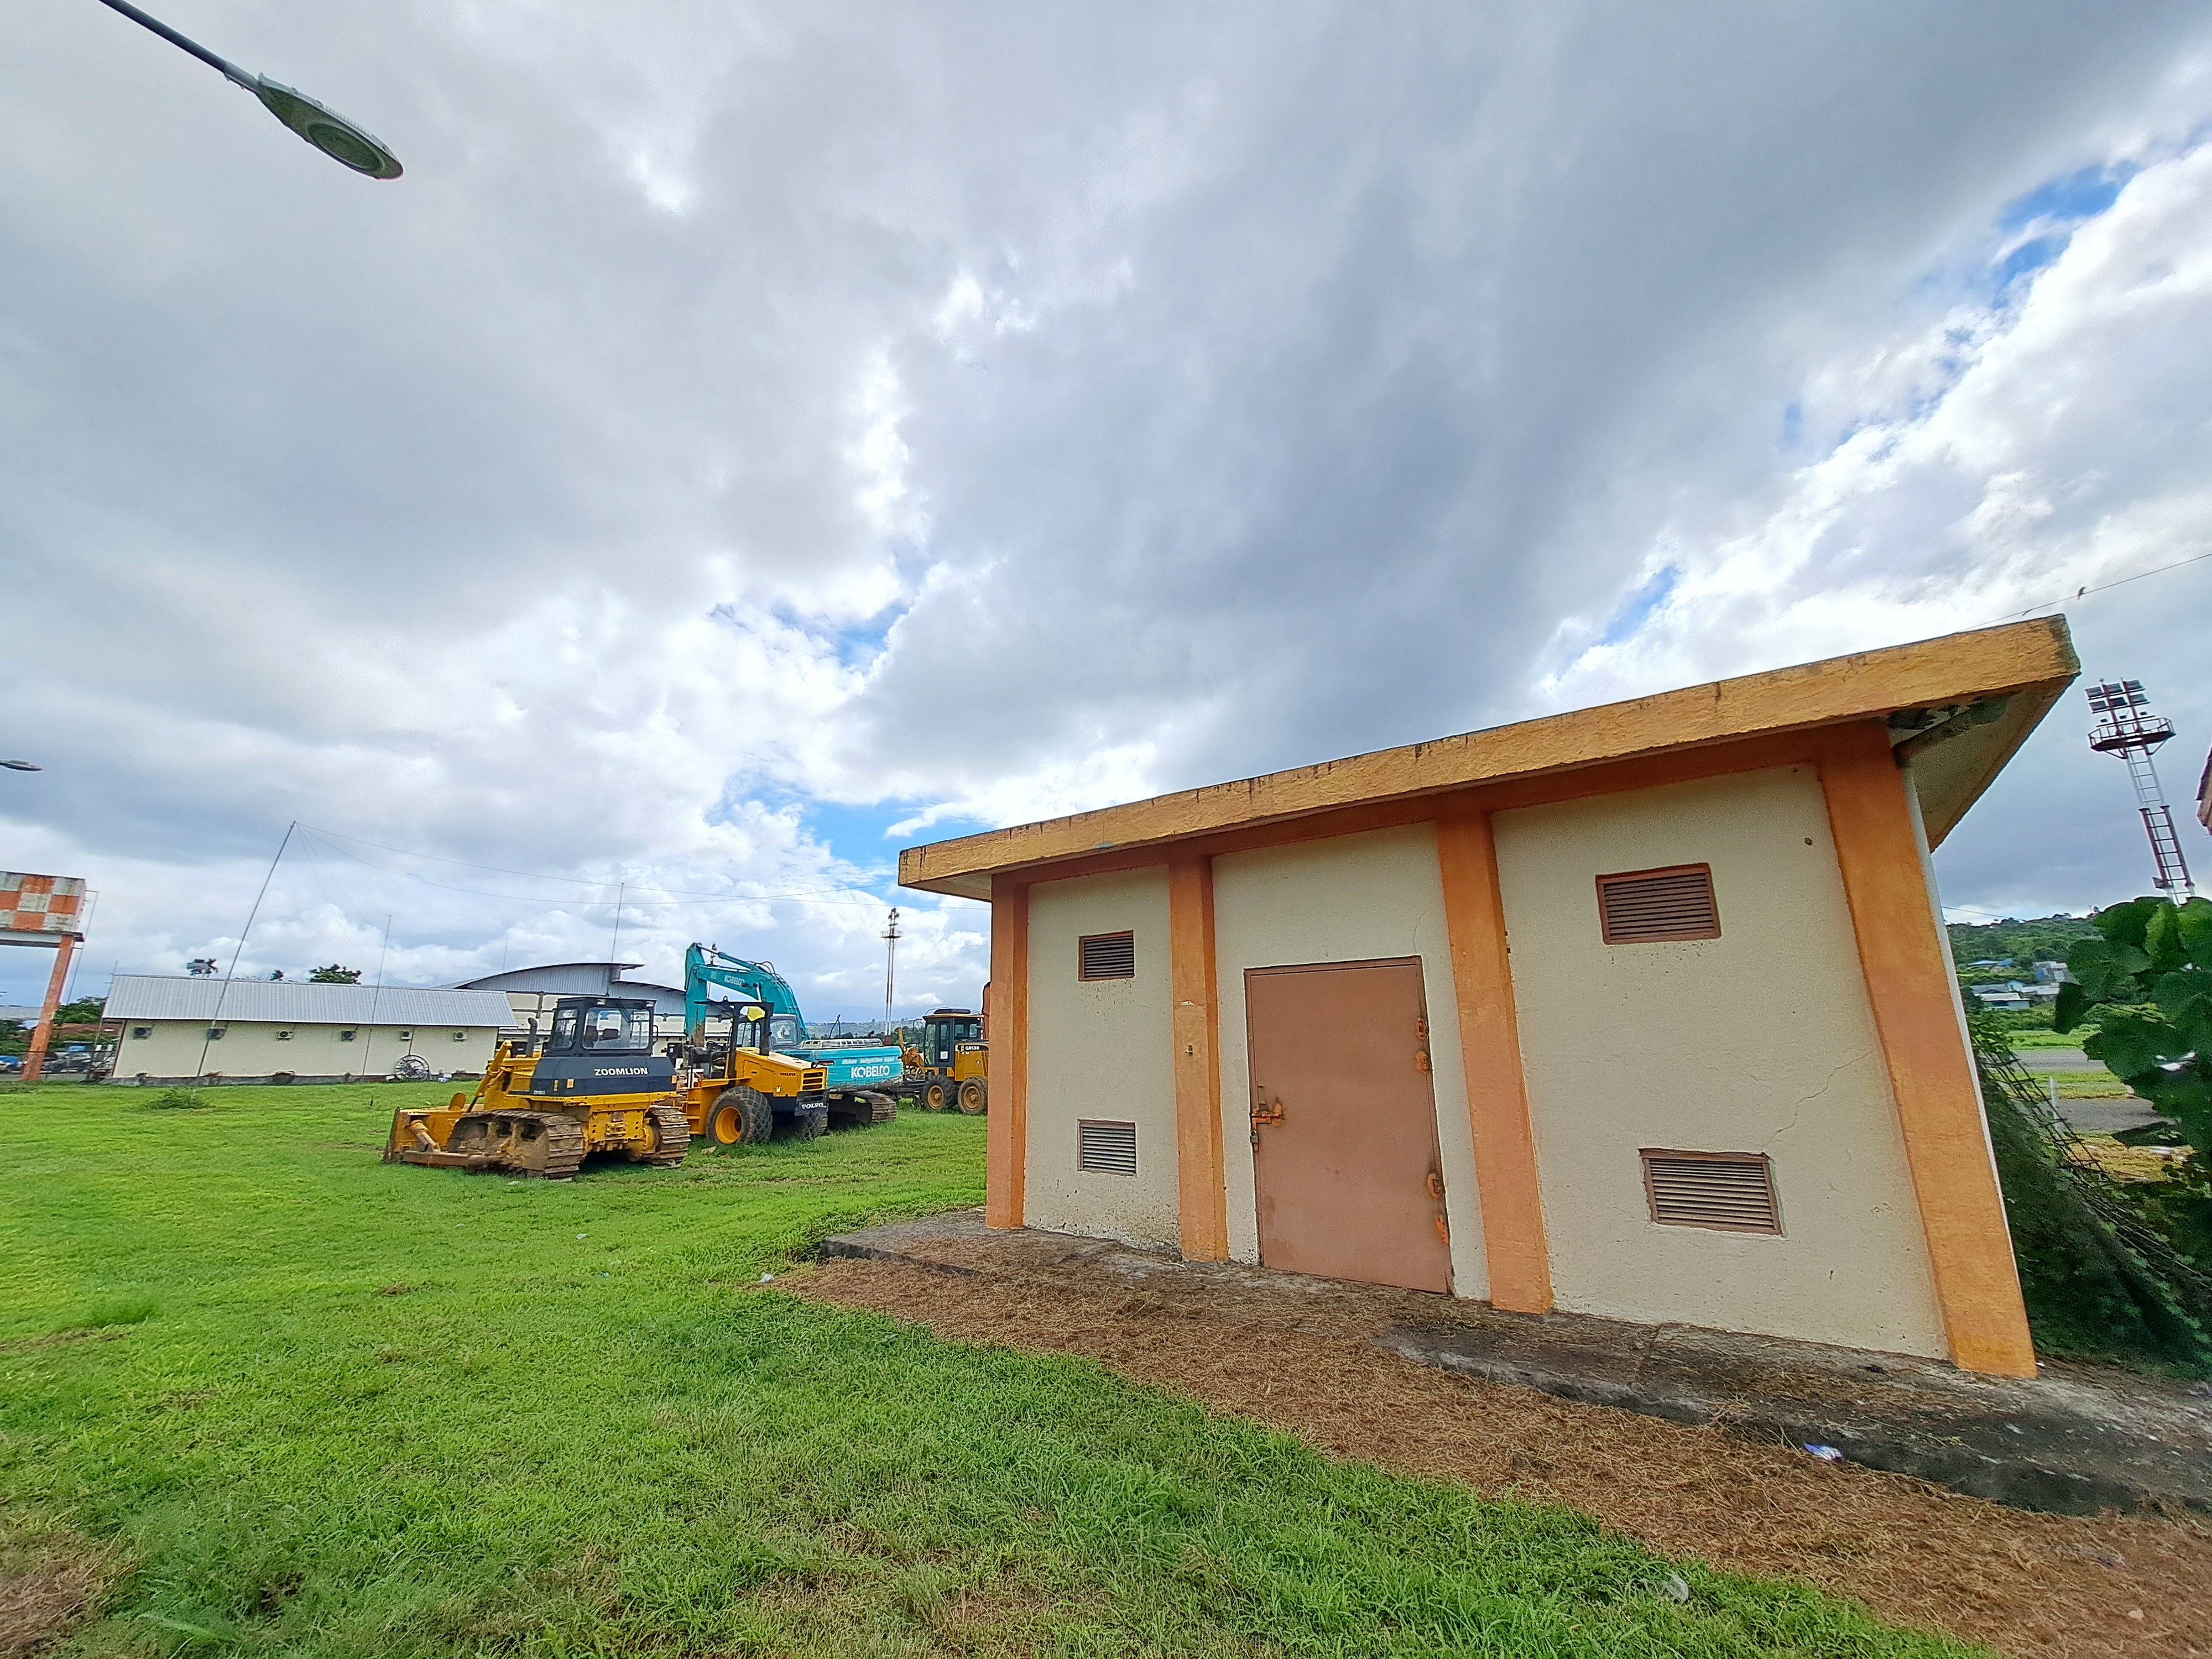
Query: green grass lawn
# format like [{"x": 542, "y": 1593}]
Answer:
[{"x": 319, "y": 1406}]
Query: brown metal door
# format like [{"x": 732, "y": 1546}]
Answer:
[{"x": 1344, "y": 1124}]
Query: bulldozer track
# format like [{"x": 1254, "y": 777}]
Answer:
[
  {"x": 562, "y": 1139},
  {"x": 671, "y": 1135}
]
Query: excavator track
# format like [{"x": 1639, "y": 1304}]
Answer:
[
  {"x": 863, "y": 1109},
  {"x": 671, "y": 1135},
  {"x": 544, "y": 1144}
]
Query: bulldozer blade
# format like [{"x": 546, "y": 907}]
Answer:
[
  {"x": 442, "y": 1160},
  {"x": 544, "y": 1144}
]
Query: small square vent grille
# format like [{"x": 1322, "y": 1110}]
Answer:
[
  {"x": 1646, "y": 905},
  {"x": 1108, "y": 955},
  {"x": 1732, "y": 1191},
  {"x": 1106, "y": 1148}
]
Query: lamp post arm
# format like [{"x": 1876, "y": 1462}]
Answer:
[{"x": 184, "y": 42}]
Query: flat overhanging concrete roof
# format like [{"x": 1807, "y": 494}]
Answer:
[{"x": 1959, "y": 706}]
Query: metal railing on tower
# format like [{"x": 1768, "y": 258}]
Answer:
[{"x": 2125, "y": 727}]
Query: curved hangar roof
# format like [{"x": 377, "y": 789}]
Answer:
[{"x": 1958, "y": 707}]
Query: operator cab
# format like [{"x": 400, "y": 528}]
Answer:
[
  {"x": 601, "y": 1046},
  {"x": 752, "y": 1026},
  {"x": 601, "y": 1026},
  {"x": 943, "y": 1031}
]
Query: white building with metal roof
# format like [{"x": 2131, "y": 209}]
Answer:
[
  {"x": 176, "y": 1028},
  {"x": 533, "y": 992}
]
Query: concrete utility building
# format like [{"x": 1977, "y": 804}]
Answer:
[
  {"x": 1644, "y": 1010},
  {"x": 255, "y": 1031}
]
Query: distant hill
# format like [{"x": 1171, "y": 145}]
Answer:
[{"x": 2040, "y": 938}]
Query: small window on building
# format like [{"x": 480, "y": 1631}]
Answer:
[
  {"x": 1731, "y": 1191},
  {"x": 1645, "y": 906},
  {"x": 214, "y": 1033},
  {"x": 140, "y": 1033},
  {"x": 345, "y": 1036},
  {"x": 1106, "y": 1148},
  {"x": 1107, "y": 956},
  {"x": 283, "y": 1037}
]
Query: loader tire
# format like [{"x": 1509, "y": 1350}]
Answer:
[
  {"x": 672, "y": 1136},
  {"x": 935, "y": 1096},
  {"x": 740, "y": 1116},
  {"x": 973, "y": 1099}
]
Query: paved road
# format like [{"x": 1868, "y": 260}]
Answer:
[
  {"x": 2105, "y": 1116},
  {"x": 2121, "y": 1110},
  {"x": 2057, "y": 1059}
]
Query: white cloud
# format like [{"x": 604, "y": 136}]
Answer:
[{"x": 746, "y": 430}]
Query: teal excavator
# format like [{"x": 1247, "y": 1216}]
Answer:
[{"x": 862, "y": 1075}]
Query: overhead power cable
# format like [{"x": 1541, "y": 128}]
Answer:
[{"x": 2105, "y": 588}]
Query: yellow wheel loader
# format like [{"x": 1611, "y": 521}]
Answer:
[
  {"x": 952, "y": 1067},
  {"x": 597, "y": 1086}
]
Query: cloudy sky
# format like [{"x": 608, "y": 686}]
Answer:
[{"x": 751, "y": 437}]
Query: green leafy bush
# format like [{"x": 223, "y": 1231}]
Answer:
[
  {"x": 2149, "y": 971},
  {"x": 2101, "y": 1267}
]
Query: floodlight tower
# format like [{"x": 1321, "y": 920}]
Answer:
[{"x": 2125, "y": 727}]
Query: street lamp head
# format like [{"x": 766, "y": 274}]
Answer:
[
  {"x": 22, "y": 766},
  {"x": 327, "y": 130}
]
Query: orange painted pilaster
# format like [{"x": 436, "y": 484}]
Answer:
[
  {"x": 1939, "y": 1103},
  {"x": 34, "y": 1057},
  {"x": 1519, "y": 1259},
  {"x": 1201, "y": 1189},
  {"x": 1006, "y": 1139}
]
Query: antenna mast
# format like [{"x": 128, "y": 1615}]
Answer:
[
  {"x": 2125, "y": 727},
  {"x": 890, "y": 968}
]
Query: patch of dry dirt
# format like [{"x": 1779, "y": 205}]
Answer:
[
  {"x": 2038, "y": 1586},
  {"x": 48, "y": 1584}
]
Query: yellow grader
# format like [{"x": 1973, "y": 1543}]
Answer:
[
  {"x": 951, "y": 1067},
  {"x": 597, "y": 1086}
]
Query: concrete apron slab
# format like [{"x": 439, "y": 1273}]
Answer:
[{"x": 2077, "y": 1440}]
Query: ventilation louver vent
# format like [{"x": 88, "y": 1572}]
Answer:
[
  {"x": 1646, "y": 905},
  {"x": 1109, "y": 956},
  {"x": 1106, "y": 1148},
  {"x": 1732, "y": 1191}
]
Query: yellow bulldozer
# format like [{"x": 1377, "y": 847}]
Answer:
[
  {"x": 952, "y": 1065},
  {"x": 596, "y": 1086}
]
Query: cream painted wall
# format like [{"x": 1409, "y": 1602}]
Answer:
[
  {"x": 1350, "y": 898},
  {"x": 250, "y": 1049},
  {"x": 1759, "y": 1040},
  {"x": 1100, "y": 1048}
]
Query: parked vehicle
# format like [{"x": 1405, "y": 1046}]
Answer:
[{"x": 861, "y": 1075}]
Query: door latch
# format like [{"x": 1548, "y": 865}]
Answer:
[
  {"x": 1263, "y": 1113},
  {"x": 1435, "y": 1184},
  {"x": 1421, "y": 1043}
]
